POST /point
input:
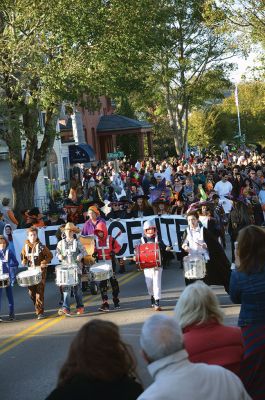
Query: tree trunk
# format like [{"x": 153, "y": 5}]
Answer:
[{"x": 23, "y": 191}]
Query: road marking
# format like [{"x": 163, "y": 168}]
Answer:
[
  {"x": 37, "y": 325},
  {"x": 19, "y": 338}
]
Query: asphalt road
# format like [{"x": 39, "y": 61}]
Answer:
[{"x": 31, "y": 351}]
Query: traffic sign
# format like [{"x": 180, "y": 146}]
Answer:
[{"x": 113, "y": 156}]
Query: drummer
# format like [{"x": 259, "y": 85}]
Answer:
[
  {"x": 71, "y": 245},
  {"x": 35, "y": 254},
  {"x": 197, "y": 240},
  {"x": 105, "y": 246},
  {"x": 153, "y": 276},
  {"x": 8, "y": 262}
]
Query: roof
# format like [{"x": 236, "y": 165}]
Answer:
[
  {"x": 117, "y": 122},
  {"x": 67, "y": 127}
]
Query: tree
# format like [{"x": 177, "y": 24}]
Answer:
[
  {"x": 190, "y": 62},
  {"x": 245, "y": 19},
  {"x": 212, "y": 125},
  {"x": 50, "y": 55}
]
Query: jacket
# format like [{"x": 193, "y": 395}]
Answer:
[
  {"x": 249, "y": 291},
  {"x": 214, "y": 343},
  {"x": 176, "y": 378},
  {"x": 8, "y": 259},
  {"x": 43, "y": 257},
  {"x": 107, "y": 245},
  {"x": 89, "y": 227},
  {"x": 82, "y": 388}
]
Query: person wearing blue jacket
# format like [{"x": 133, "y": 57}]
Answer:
[
  {"x": 247, "y": 287},
  {"x": 8, "y": 262}
]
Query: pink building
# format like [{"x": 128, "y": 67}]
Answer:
[{"x": 102, "y": 127}]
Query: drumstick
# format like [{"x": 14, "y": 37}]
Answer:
[{"x": 199, "y": 243}]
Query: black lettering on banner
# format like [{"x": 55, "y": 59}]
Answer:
[
  {"x": 48, "y": 234},
  {"x": 133, "y": 236},
  {"x": 167, "y": 222},
  {"x": 119, "y": 225},
  {"x": 178, "y": 223}
]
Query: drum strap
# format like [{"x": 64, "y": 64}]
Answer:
[
  {"x": 144, "y": 240},
  {"x": 103, "y": 248}
]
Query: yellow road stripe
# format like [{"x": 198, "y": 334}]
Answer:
[
  {"x": 15, "y": 340},
  {"x": 37, "y": 325},
  {"x": 32, "y": 334}
]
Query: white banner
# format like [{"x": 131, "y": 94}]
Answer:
[{"x": 170, "y": 229}]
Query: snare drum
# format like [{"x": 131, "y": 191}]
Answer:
[
  {"x": 148, "y": 255},
  {"x": 31, "y": 277},
  {"x": 66, "y": 275},
  {"x": 4, "y": 280},
  {"x": 101, "y": 271},
  {"x": 194, "y": 267}
]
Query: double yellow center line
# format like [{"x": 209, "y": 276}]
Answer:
[{"x": 40, "y": 326}]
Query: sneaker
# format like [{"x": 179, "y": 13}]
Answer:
[
  {"x": 64, "y": 311},
  {"x": 104, "y": 307},
  {"x": 152, "y": 301},
  {"x": 11, "y": 317},
  {"x": 80, "y": 310},
  {"x": 40, "y": 316}
]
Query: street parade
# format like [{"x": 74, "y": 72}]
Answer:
[{"x": 132, "y": 200}]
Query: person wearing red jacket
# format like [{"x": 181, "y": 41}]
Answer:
[
  {"x": 206, "y": 338},
  {"x": 105, "y": 248}
]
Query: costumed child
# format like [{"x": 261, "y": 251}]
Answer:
[
  {"x": 70, "y": 250},
  {"x": 153, "y": 276},
  {"x": 105, "y": 247},
  {"x": 35, "y": 254},
  {"x": 8, "y": 262}
]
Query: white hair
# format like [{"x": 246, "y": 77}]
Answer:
[
  {"x": 161, "y": 336},
  {"x": 197, "y": 304}
]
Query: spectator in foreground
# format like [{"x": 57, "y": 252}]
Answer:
[
  {"x": 247, "y": 287},
  {"x": 99, "y": 366},
  {"x": 206, "y": 339},
  {"x": 175, "y": 377}
]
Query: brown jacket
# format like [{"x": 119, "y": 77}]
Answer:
[{"x": 43, "y": 257}]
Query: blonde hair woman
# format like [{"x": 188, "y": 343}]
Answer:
[{"x": 206, "y": 339}]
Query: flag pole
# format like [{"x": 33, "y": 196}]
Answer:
[{"x": 238, "y": 116}]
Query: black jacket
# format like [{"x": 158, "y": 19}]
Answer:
[{"x": 81, "y": 388}]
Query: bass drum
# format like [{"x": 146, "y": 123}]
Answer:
[{"x": 147, "y": 255}]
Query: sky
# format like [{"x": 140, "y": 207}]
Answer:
[{"x": 243, "y": 65}]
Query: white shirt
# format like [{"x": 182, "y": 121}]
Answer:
[{"x": 223, "y": 188}]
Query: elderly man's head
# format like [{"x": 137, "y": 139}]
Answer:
[{"x": 161, "y": 336}]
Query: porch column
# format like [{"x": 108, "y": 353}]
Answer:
[
  {"x": 150, "y": 144},
  {"x": 141, "y": 145}
]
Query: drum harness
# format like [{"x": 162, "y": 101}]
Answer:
[{"x": 4, "y": 260}]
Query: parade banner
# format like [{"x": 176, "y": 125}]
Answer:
[{"x": 128, "y": 233}]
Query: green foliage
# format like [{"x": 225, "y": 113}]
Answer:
[{"x": 218, "y": 123}]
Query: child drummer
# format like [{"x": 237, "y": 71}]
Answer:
[
  {"x": 153, "y": 276},
  {"x": 8, "y": 262},
  {"x": 35, "y": 254},
  {"x": 69, "y": 249},
  {"x": 105, "y": 247}
]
